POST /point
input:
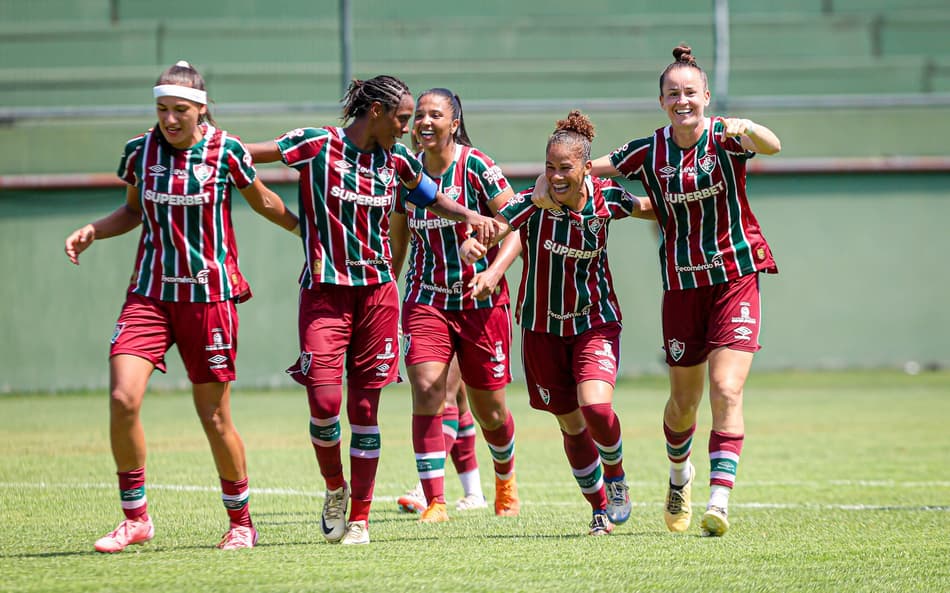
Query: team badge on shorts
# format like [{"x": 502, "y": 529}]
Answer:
[
  {"x": 677, "y": 349},
  {"x": 118, "y": 330},
  {"x": 545, "y": 394},
  {"x": 305, "y": 359}
]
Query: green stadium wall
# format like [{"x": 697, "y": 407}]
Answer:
[{"x": 863, "y": 283}]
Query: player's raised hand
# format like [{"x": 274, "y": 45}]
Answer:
[{"x": 734, "y": 126}]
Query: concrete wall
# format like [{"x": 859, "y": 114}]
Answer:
[{"x": 863, "y": 283}]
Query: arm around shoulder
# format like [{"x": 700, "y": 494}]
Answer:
[{"x": 264, "y": 152}]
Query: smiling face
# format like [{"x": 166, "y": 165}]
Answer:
[
  {"x": 178, "y": 120},
  {"x": 434, "y": 124},
  {"x": 565, "y": 169},
  {"x": 389, "y": 125},
  {"x": 684, "y": 97}
]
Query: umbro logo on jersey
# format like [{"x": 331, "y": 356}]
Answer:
[
  {"x": 217, "y": 359},
  {"x": 157, "y": 169},
  {"x": 668, "y": 171},
  {"x": 342, "y": 166}
]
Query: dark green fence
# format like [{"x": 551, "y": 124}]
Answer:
[{"x": 863, "y": 283}]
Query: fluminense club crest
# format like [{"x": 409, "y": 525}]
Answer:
[
  {"x": 385, "y": 175},
  {"x": 676, "y": 349},
  {"x": 306, "y": 358},
  {"x": 545, "y": 394},
  {"x": 452, "y": 191},
  {"x": 708, "y": 163}
]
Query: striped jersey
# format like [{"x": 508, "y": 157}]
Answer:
[
  {"x": 708, "y": 234},
  {"x": 436, "y": 274},
  {"x": 345, "y": 197},
  {"x": 566, "y": 286},
  {"x": 187, "y": 252}
]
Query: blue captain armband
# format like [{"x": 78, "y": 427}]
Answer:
[{"x": 423, "y": 194}]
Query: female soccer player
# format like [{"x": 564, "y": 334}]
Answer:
[
  {"x": 711, "y": 253},
  {"x": 441, "y": 317},
  {"x": 349, "y": 178},
  {"x": 570, "y": 316},
  {"x": 184, "y": 289}
]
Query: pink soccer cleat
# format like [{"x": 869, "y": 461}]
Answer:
[
  {"x": 130, "y": 531},
  {"x": 238, "y": 537}
]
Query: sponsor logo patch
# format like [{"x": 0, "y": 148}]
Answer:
[{"x": 388, "y": 353}]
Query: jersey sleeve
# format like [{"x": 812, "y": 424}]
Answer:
[
  {"x": 129, "y": 160},
  {"x": 485, "y": 175},
  {"x": 629, "y": 158},
  {"x": 519, "y": 209},
  {"x": 620, "y": 203},
  {"x": 240, "y": 164},
  {"x": 299, "y": 146},
  {"x": 408, "y": 167}
]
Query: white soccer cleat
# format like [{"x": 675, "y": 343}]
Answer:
[
  {"x": 413, "y": 501},
  {"x": 357, "y": 533},
  {"x": 471, "y": 502},
  {"x": 715, "y": 522},
  {"x": 333, "y": 518},
  {"x": 618, "y": 500}
]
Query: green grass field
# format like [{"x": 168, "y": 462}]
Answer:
[{"x": 844, "y": 485}]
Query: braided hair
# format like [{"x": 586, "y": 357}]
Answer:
[{"x": 361, "y": 94}]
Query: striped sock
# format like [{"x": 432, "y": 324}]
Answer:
[
  {"x": 679, "y": 445},
  {"x": 604, "y": 427},
  {"x": 724, "y": 451},
  {"x": 464, "y": 456},
  {"x": 450, "y": 427},
  {"x": 325, "y": 401},
  {"x": 585, "y": 465},
  {"x": 501, "y": 443},
  {"x": 429, "y": 445},
  {"x": 236, "y": 496},
  {"x": 365, "y": 444},
  {"x": 132, "y": 494}
]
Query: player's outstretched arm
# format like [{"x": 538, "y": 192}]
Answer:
[{"x": 122, "y": 220}]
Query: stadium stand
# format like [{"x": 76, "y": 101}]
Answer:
[{"x": 100, "y": 53}]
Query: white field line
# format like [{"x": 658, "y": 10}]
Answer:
[{"x": 389, "y": 499}]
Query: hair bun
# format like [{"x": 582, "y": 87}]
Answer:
[{"x": 183, "y": 64}]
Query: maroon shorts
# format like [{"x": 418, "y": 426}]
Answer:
[
  {"x": 480, "y": 337},
  {"x": 555, "y": 365},
  {"x": 355, "y": 325},
  {"x": 206, "y": 335},
  {"x": 696, "y": 321}
]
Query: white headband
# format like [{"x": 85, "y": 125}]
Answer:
[{"x": 185, "y": 92}]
